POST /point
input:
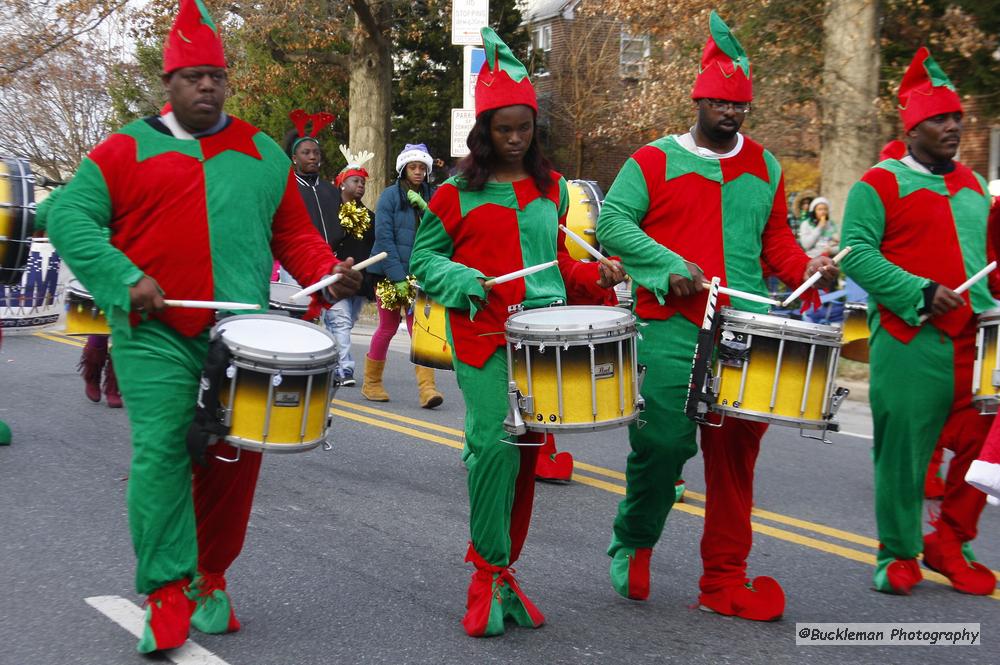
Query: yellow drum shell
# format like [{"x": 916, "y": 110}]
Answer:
[
  {"x": 279, "y": 383},
  {"x": 786, "y": 373},
  {"x": 83, "y": 316},
  {"x": 429, "y": 346},
  {"x": 856, "y": 332},
  {"x": 986, "y": 371},
  {"x": 585, "y": 199},
  {"x": 571, "y": 386}
]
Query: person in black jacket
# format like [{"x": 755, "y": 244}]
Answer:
[{"x": 347, "y": 227}]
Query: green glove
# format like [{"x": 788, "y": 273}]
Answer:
[
  {"x": 416, "y": 200},
  {"x": 403, "y": 288}
]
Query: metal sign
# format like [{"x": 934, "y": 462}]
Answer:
[
  {"x": 462, "y": 121},
  {"x": 467, "y": 17},
  {"x": 475, "y": 56}
]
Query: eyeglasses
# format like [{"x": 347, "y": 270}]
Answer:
[{"x": 724, "y": 105}]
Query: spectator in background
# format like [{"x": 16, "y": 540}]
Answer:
[
  {"x": 397, "y": 216},
  {"x": 818, "y": 234},
  {"x": 799, "y": 210}
]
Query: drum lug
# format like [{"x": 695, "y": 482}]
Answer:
[
  {"x": 996, "y": 378},
  {"x": 836, "y": 399},
  {"x": 514, "y": 423}
]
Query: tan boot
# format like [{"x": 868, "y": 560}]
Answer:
[
  {"x": 372, "y": 388},
  {"x": 429, "y": 396}
]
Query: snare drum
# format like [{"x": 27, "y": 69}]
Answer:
[
  {"x": 83, "y": 316},
  {"x": 855, "y": 332},
  {"x": 776, "y": 370},
  {"x": 986, "y": 371},
  {"x": 572, "y": 369},
  {"x": 281, "y": 299},
  {"x": 279, "y": 384},
  {"x": 17, "y": 217},
  {"x": 585, "y": 200},
  {"x": 624, "y": 292},
  {"x": 429, "y": 346}
]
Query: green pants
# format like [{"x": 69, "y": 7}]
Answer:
[
  {"x": 501, "y": 477},
  {"x": 922, "y": 392},
  {"x": 158, "y": 371}
]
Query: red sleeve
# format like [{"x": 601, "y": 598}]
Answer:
[
  {"x": 296, "y": 243},
  {"x": 781, "y": 253},
  {"x": 581, "y": 277},
  {"x": 993, "y": 245}
]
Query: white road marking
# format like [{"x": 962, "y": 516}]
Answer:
[
  {"x": 129, "y": 616},
  {"x": 860, "y": 436}
]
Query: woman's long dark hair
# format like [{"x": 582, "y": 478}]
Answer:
[{"x": 476, "y": 167}]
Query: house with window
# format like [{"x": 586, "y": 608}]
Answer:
[{"x": 580, "y": 65}]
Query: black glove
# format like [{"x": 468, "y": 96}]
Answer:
[{"x": 207, "y": 426}]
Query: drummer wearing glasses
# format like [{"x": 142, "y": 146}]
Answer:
[
  {"x": 498, "y": 215},
  {"x": 683, "y": 209},
  {"x": 199, "y": 204}
]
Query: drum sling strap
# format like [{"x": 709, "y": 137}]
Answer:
[{"x": 208, "y": 424}]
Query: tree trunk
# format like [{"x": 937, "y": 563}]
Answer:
[
  {"x": 849, "y": 139},
  {"x": 371, "y": 101}
]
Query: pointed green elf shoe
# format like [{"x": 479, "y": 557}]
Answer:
[
  {"x": 168, "y": 618},
  {"x": 897, "y": 576},
  {"x": 630, "y": 570},
  {"x": 517, "y": 605},
  {"x": 214, "y": 613}
]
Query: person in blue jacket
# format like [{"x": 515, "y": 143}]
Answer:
[{"x": 397, "y": 216}]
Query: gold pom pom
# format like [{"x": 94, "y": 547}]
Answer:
[
  {"x": 355, "y": 219},
  {"x": 391, "y": 298}
]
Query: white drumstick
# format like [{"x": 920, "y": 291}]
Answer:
[
  {"x": 520, "y": 273},
  {"x": 736, "y": 293},
  {"x": 815, "y": 277},
  {"x": 587, "y": 247},
  {"x": 211, "y": 304},
  {"x": 330, "y": 279},
  {"x": 967, "y": 284}
]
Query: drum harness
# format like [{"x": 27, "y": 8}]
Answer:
[{"x": 209, "y": 425}]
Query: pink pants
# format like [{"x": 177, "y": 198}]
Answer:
[{"x": 388, "y": 324}]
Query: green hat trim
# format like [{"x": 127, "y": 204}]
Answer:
[
  {"x": 936, "y": 74},
  {"x": 497, "y": 49},
  {"x": 727, "y": 43},
  {"x": 205, "y": 17}
]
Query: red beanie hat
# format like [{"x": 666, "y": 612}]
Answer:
[
  {"x": 925, "y": 91},
  {"x": 503, "y": 80},
  {"x": 193, "y": 40},
  {"x": 725, "y": 67}
]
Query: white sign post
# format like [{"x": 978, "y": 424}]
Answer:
[
  {"x": 467, "y": 17},
  {"x": 462, "y": 121}
]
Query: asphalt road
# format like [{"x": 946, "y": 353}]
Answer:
[{"x": 355, "y": 555}]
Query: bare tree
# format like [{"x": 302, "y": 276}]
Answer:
[{"x": 56, "y": 111}]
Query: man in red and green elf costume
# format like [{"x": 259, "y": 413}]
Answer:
[
  {"x": 198, "y": 204},
  {"x": 917, "y": 226},
  {"x": 464, "y": 236},
  {"x": 710, "y": 202}
]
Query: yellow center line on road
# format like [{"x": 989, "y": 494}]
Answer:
[{"x": 774, "y": 532}]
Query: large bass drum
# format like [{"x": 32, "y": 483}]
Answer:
[{"x": 17, "y": 217}]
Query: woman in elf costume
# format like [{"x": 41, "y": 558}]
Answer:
[
  {"x": 397, "y": 216},
  {"x": 499, "y": 214},
  {"x": 918, "y": 228}
]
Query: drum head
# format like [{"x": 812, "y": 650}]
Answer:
[
  {"x": 77, "y": 289},
  {"x": 570, "y": 323},
  {"x": 990, "y": 317},
  {"x": 281, "y": 297},
  {"x": 276, "y": 339},
  {"x": 779, "y": 327}
]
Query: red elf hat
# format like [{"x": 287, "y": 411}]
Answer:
[
  {"x": 193, "y": 40},
  {"x": 503, "y": 80},
  {"x": 925, "y": 91},
  {"x": 725, "y": 67}
]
